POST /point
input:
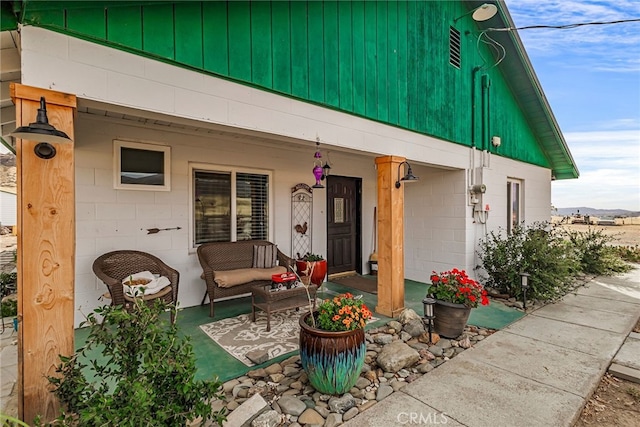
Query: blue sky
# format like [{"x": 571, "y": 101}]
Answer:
[{"x": 591, "y": 78}]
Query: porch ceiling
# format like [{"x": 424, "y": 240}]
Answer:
[{"x": 135, "y": 117}]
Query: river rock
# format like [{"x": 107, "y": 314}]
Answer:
[
  {"x": 292, "y": 405},
  {"x": 383, "y": 339},
  {"x": 342, "y": 404},
  {"x": 383, "y": 391},
  {"x": 414, "y": 327},
  {"x": 396, "y": 356},
  {"x": 394, "y": 324},
  {"x": 258, "y": 356},
  {"x": 267, "y": 419},
  {"x": 333, "y": 420},
  {"x": 310, "y": 416},
  {"x": 350, "y": 414},
  {"x": 408, "y": 315},
  {"x": 276, "y": 368}
]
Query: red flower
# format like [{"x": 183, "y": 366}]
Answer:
[{"x": 456, "y": 286}]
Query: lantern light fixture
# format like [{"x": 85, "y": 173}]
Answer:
[
  {"x": 326, "y": 168},
  {"x": 428, "y": 302},
  {"x": 484, "y": 12},
  {"x": 524, "y": 283},
  {"x": 43, "y": 132},
  {"x": 409, "y": 177}
]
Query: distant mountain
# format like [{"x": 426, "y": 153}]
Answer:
[{"x": 596, "y": 212}]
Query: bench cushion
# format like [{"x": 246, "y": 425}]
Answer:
[{"x": 230, "y": 278}]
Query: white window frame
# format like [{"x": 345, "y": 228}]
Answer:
[
  {"x": 511, "y": 224},
  {"x": 207, "y": 167},
  {"x": 117, "y": 164}
]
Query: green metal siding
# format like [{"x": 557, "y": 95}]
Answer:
[
  {"x": 386, "y": 61},
  {"x": 8, "y": 20}
]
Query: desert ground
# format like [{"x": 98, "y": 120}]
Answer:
[{"x": 625, "y": 235}]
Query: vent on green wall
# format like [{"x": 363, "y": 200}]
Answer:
[{"x": 454, "y": 47}]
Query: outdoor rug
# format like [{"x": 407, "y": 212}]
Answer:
[
  {"x": 239, "y": 335},
  {"x": 362, "y": 283}
]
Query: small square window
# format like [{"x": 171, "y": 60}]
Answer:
[{"x": 139, "y": 166}]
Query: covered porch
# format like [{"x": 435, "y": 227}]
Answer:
[{"x": 212, "y": 360}]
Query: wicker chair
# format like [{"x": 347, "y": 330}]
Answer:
[{"x": 113, "y": 267}]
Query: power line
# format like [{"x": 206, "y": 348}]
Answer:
[
  {"x": 502, "y": 53},
  {"x": 564, "y": 27}
]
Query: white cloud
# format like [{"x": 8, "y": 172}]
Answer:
[
  {"x": 613, "y": 47},
  {"x": 609, "y": 164}
]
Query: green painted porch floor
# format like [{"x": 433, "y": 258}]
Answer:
[{"x": 212, "y": 360}]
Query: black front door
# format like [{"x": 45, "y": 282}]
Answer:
[{"x": 343, "y": 224}]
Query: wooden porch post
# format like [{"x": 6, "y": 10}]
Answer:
[
  {"x": 390, "y": 237},
  {"x": 46, "y": 252}
]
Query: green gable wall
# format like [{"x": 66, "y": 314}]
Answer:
[
  {"x": 8, "y": 20},
  {"x": 386, "y": 61}
]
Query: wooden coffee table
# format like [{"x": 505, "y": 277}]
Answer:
[{"x": 271, "y": 301}]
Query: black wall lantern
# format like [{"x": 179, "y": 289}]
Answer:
[
  {"x": 42, "y": 131},
  {"x": 409, "y": 177}
]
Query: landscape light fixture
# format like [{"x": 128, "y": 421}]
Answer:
[
  {"x": 481, "y": 13},
  {"x": 428, "y": 304},
  {"x": 43, "y": 132},
  {"x": 318, "y": 170},
  {"x": 409, "y": 177},
  {"x": 524, "y": 283},
  {"x": 326, "y": 168}
]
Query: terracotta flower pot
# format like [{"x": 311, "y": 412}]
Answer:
[
  {"x": 332, "y": 360},
  {"x": 319, "y": 270},
  {"x": 450, "y": 319}
]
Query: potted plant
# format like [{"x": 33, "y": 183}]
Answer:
[
  {"x": 313, "y": 266},
  {"x": 455, "y": 294},
  {"x": 332, "y": 343}
]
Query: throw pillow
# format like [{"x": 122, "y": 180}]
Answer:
[{"x": 265, "y": 256}]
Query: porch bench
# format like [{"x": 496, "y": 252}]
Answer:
[{"x": 232, "y": 269}]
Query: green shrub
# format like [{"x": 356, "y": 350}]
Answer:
[
  {"x": 144, "y": 376},
  {"x": 9, "y": 307},
  {"x": 8, "y": 283},
  {"x": 628, "y": 253},
  {"x": 594, "y": 252},
  {"x": 537, "y": 250}
]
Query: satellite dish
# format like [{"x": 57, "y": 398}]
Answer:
[{"x": 484, "y": 12}]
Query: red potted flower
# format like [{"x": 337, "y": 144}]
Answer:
[{"x": 455, "y": 294}]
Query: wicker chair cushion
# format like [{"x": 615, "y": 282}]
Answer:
[
  {"x": 265, "y": 256},
  {"x": 146, "y": 297},
  {"x": 230, "y": 278}
]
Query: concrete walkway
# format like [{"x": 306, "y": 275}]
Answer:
[{"x": 539, "y": 371}]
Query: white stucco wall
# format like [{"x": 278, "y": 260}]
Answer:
[
  {"x": 441, "y": 231},
  {"x": 109, "y": 219},
  {"x": 8, "y": 209}
]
